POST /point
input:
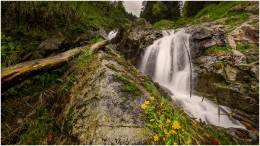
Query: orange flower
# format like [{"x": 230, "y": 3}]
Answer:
[{"x": 176, "y": 125}]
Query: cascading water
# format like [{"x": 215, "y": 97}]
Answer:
[
  {"x": 112, "y": 34},
  {"x": 167, "y": 61}
]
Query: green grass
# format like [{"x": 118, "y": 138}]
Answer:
[
  {"x": 217, "y": 50},
  {"x": 111, "y": 66},
  {"x": 37, "y": 129},
  {"x": 243, "y": 47},
  {"x": 32, "y": 87},
  {"x": 129, "y": 86},
  {"x": 209, "y": 13},
  {"x": 232, "y": 21},
  {"x": 218, "y": 11}
]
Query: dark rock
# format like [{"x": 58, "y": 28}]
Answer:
[
  {"x": 135, "y": 39},
  {"x": 251, "y": 34},
  {"x": 49, "y": 46},
  {"x": 83, "y": 39}
]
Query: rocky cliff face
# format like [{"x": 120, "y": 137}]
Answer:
[{"x": 227, "y": 65}]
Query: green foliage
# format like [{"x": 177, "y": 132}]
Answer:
[
  {"x": 242, "y": 47},
  {"x": 236, "y": 20},
  {"x": 252, "y": 79},
  {"x": 223, "y": 83},
  {"x": 217, "y": 50},
  {"x": 37, "y": 129},
  {"x": 94, "y": 40},
  {"x": 218, "y": 11},
  {"x": 167, "y": 123},
  {"x": 111, "y": 66},
  {"x": 32, "y": 87},
  {"x": 218, "y": 65},
  {"x": 65, "y": 87},
  {"x": 161, "y": 10},
  {"x": 151, "y": 89},
  {"x": 162, "y": 24},
  {"x": 129, "y": 86}
]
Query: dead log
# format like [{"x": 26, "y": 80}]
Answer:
[{"x": 13, "y": 75}]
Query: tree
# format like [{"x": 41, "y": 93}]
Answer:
[{"x": 157, "y": 8}]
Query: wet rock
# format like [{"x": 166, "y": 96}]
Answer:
[{"x": 135, "y": 39}]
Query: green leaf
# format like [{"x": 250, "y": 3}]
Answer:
[{"x": 59, "y": 79}]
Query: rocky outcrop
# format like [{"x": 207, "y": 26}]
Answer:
[
  {"x": 101, "y": 111},
  {"x": 230, "y": 76},
  {"x": 135, "y": 39}
]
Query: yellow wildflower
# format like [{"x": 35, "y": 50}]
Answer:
[
  {"x": 173, "y": 132},
  {"x": 163, "y": 139},
  {"x": 168, "y": 121},
  {"x": 189, "y": 141},
  {"x": 176, "y": 125},
  {"x": 151, "y": 97},
  {"x": 156, "y": 138},
  {"x": 143, "y": 106},
  {"x": 160, "y": 125},
  {"x": 175, "y": 143},
  {"x": 166, "y": 132},
  {"x": 147, "y": 102}
]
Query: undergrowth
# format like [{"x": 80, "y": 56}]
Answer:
[
  {"x": 234, "y": 12},
  {"x": 171, "y": 125},
  {"x": 217, "y": 50}
]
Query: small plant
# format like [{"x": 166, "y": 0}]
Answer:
[
  {"x": 246, "y": 46},
  {"x": 223, "y": 83},
  {"x": 94, "y": 40},
  {"x": 111, "y": 66},
  {"x": 218, "y": 65},
  {"x": 168, "y": 124},
  {"x": 129, "y": 86},
  {"x": 252, "y": 79},
  {"x": 37, "y": 128},
  {"x": 217, "y": 50}
]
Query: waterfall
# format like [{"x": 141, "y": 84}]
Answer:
[
  {"x": 167, "y": 62},
  {"x": 112, "y": 34}
]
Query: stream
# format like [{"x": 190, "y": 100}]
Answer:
[{"x": 167, "y": 62}]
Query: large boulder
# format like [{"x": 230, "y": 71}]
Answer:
[
  {"x": 49, "y": 46},
  {"x": 100, "y": 111}
]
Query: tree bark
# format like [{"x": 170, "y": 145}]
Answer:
[{"x": 13, "y": 75}]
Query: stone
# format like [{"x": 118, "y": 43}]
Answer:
[
  {"x": 99, "y": 112},
  {"x": 49, "y": 46},
  {"x": 238, "y": 57}
]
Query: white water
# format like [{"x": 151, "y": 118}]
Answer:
[
  {"x": 167, "y": 61},
  {"x": 112, "y": 34}
]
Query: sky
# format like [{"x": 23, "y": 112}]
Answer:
[{"x": 133, "y": 6}]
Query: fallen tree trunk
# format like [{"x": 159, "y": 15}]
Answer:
[{"x": 13, "y": 75}]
